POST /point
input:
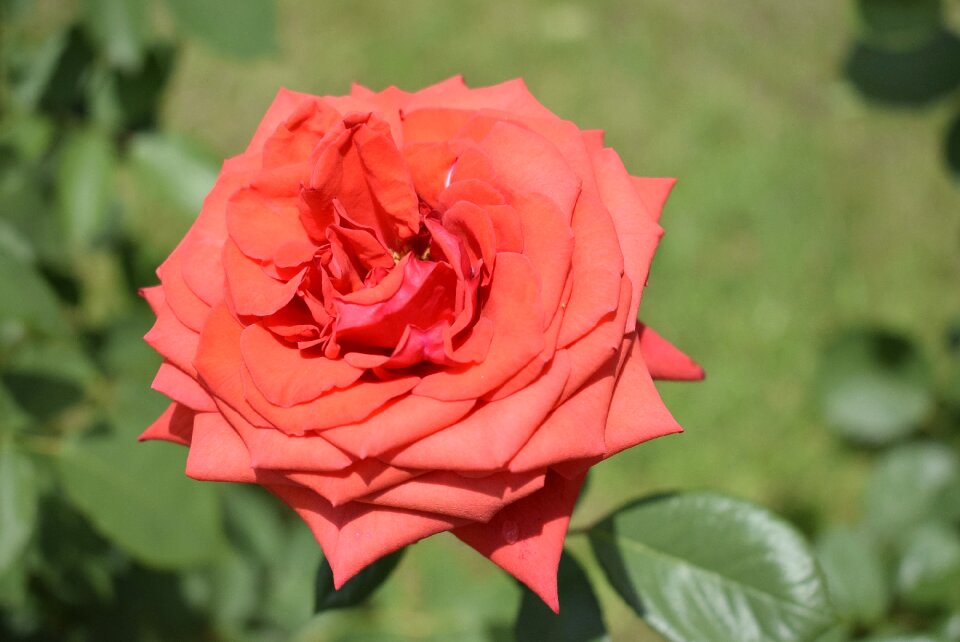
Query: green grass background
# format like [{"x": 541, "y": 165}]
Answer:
[{"x": 800, "y": 210}]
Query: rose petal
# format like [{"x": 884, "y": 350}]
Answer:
[
  {"x": 285, "y": 375},
  {"x": 358, "y": 480},
  {"x": 517, "y": 335},
  {"x": 575, "y": 429},
  {"x": 272, "y": 449},
  {"x": 219, "y": 360},
  {"x": 653, "y": 192},
  {"x": 182, "y": 388},
  {"x": 356, "y": 535},
  {"x": 216, "y": 452},
  {"x": 637, "y": 413},
  {"x": 260, "y": 225},
  {"x": 526, "y": 538},
  {"x": 664, "y": 360},
  {"x": 252, "y": 291},
  {"x": 174, "y": 425},
  {"x": 489, "y": 437},
  {"x": 174, "y": 341},
  {"x": 335, "y": 408},
  {"x": 401, "y": 422},
  {"x": 448, "y": 493},
  {"x": 636, "y": 228},
  {"x": 527, "y": 162}
]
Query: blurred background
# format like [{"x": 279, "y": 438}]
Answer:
[{"x": 810, "y": 251}]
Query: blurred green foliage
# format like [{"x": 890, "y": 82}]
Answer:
[{"x": 800, "y": 212}]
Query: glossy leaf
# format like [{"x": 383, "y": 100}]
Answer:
[
  {"x": 703, "y": 566},
  {"x": 876, "y": 387},
  {"x": 246, "y": 30},
  {"x": 358, "y": 588},
  {"x": 900, "y": 23},
  {"x": 929, "y": 569},
  {"x": 137, "y": 495},
  {"x": 18, "y": 504},
  {"x": 120, "y": 28},
  {"x": 579, "y": 620},
  {"x": 856, "y": 578},
  {"x": 85, "y": 186},
  {"x": 910, "y": 485}
]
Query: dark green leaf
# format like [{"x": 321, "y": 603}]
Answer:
[
  {"x": 702, "y": 566},
  {"x": 173, "y": 169},
  {"x": 140, "y": 92},
  {"x": 900, "y": 23},
  {"x": 85, "y": 186},
  {"x": 579, "y": 620},
  {"x": 119, "y": 28},
  {"x": 254, "y": 524},
  {"x": 908, "y": 486},
  {"x": 903, "y": 638},
  {"x": 358, "y": 588},
  {"x": 855, "y": 574},
  {"x": 18, "y": 504},
  {"x": 929, "y": 570},
  {"x": 26, "y": 302},
  {"x": 876, "y": 387},
  {"x": 951, "y": 148},
  {"x": 246, "y": 29},
  {"x": 138, "y": 496},
  {"x": 12, "y": 417},
  {"x": 907, "y": 78},
  {"x": 289, "y": 600},
  {"x": 55, "y": 81}
]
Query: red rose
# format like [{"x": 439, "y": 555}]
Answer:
[{"x": 407, "y": 313}]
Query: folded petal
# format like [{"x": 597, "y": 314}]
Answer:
[
  {"x": 526, "y": 538},
  {"x": 490, "y": 436},
  {"x": 664, "y": 360},
  {"x": 449, "y": 493},
  {"x": 216, "y": 451},
  {"x": 182, "y": 388},
  {"x": 174, "y": 425}
]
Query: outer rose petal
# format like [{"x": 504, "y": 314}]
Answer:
[
  {"x": 664, "y": 360},
  {"x": 526, "y": 538},
  {"x": 653, "y": 192},
  {"x": 182, "y": 388},
  {"x": 174, "y": 425},
  {"x": 216, "y": 451},
  {"x": 356, "y": 535}
]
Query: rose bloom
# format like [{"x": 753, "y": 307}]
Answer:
[{"x": 407, "y": 313}]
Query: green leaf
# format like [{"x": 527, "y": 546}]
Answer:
[
  {"x": 247, "y": 28},
  {"x": 856, "y": 578},
  {"x": 27, "y": 303},
  {"x": 876, "y": 387},
  {"x": 951, "y": 149},
  {"x": 254, "y": 524},
  {"x": 12, "y": 417},
  {"x": 289, "y": 599},
  {"x": 85, "y": 186},
  {"x": 702, "y": 566},
  {"x": 903, "y": 638},
  {"x": 18, "y": 504},
  {"x": 137, "y": 495},
  {"x": 173, "y": 169},
  {"x": 358, "y": 588},
  {"x": 579, "y": 620},
  {"x": 910, "y": 485},
  {"x": 900, "y": 23},
  {"x": 929, "y": 570},
  {"x": 910, "y": 77},
  {"x": 55, "y": 80},
  {"x": 119, "y": 27}
]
